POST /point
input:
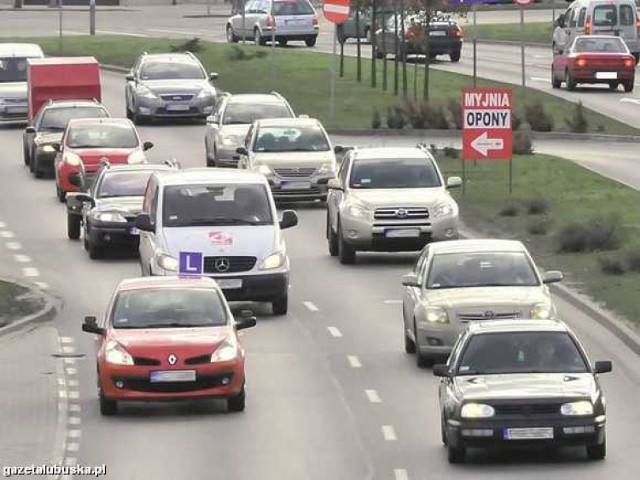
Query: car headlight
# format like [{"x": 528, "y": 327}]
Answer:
[
  {"x": 228, "y": 141},
  {"x": 227, "y": 350},
  {"x": 205, "y": 94},
  {"x": 477, "y": 410},
  {"x": 72, "y": 159},
  {"x": 145, "y": 92},
  {"x": 47, "y": 148},
  {"x": 358, "y": 210},
  {"x": 542, "y": 311},
  {"x": 583, "y": 407},
  {"x": 328, "y": 167},
  {"x": 275, "y": 260},
  {"x": 136, "y": 157},
  {"x": 116, "y": 354},
  {"x": 265, "y": 170},
  {"x": 167, "y": 262},
  {"x": 110, "y": 217},
  {"x": 436, "y": 315},
  {"x": 443, "y": 209}
]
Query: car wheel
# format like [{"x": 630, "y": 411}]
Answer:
[
  {"x": 37, "y": 171},
  {"x": 555, "y": 81},
  {"x": 25, "y": 153},
  {"x": 628, "y": 86},
  {"x": 136, "y": 118},
  {"x": 237, "y": 403},
  {"x": 456, "y": 455},
  {"x": 346, "y": 253},
  {"x": 597, "y": 451},
  {"x": 613, "y": 85},
  {"x": 280, "y": 305},
  {"x": 332, "y": 239},
  {"x": 108, "y": 407},
  {"x": 443, "y": 431},
  {"x": 409, "y": 345},
  {"x": 637, "y": 57},
  {"x": 423, "y": 361},
  {"x": 85, "y": 240},
  {"x": 60, "y": 194},
  {"x": 571, "y": 82},
  {"x": 455, "y": 56},
  {"x": 231, "y": 37},
  {"x": 129, "y": 112},
  {"x": 311, "y": 41},
  {"x": 73, "y": 226}
]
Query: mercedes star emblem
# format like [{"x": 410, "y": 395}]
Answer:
[
  {"x": 222, "y": 264},
  {"x": 172, "y": 359}
]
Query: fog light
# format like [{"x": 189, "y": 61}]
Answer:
[
  {"x": 226, "y": 380},
  {"x": 434, "y": 342},
  {"x": 119, "y": 384},
  {"x": 477, "y": 432},
  {"x": 107, "y": 238}
]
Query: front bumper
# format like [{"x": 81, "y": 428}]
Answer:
[
  {"x": 159, "y": 108},
  {"x": 435, "y": 339},
  {"x": 44, "y": 158},
  {"x": 14, "y": 112},
  {"x": 303, "y": 188},
  {"x": 114, "y": 234}
]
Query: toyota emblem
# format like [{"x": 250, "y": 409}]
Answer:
[
  {"x": 401, "y": 213},
  {"x": 172, "y": 359},
  {"x": 489, "y": 314},
  {"x": 222, "y": 264}
]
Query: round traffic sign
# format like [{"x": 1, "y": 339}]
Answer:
[{"x": 336, "y": 11}]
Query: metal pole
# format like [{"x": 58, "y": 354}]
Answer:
[
  {"x": 475, "y": 42},
  {"x": 92, "y": 17},
  {"x": 524, "y": 83},
  {"x": 60, "y": 28},
  {"x": 208, "y": 8},
  {"x": 464, "y": 176},
  {"x": 341, "y": 59},
  {"x": 332, "y": 84},
  {"x": 244, "y": 34},
  {"x": 510, "y": 175}
]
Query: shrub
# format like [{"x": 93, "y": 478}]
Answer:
[
  {"x": 537, "y": 206},
  {"x": 455, "y": 109},
  {"x": 396, "y": 117},
  {"x": 632, "y": 258},
  {"x": 597, "y": 234},
  {"x": 522, "y": 143},
  {"x": 509, "y": 210},
  {"x": 376, "y": 120},
  {"x": 516, "y": 121},
  {"x": 538, "y": 226},
  {"x": 194, "y": 45},
  {"x": 415, "y": 115},
  {"x": 611, "y": 265},
  {"x": 237, "y": 53},
  {"x": 537, "y": 118},
  {"x": 578, "y": 121},
  {"x": 434, "y": 116},
  {"x": 450, "y": 152}
]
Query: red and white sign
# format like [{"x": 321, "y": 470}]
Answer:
[
  {"x": 486, "y": 123},
  {"x": 336, "y": 11},
  {"x": 220, "y": 238}
]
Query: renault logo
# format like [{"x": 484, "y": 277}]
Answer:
[
  {"x": 222, "y": 264},
  {"x": 489, "y": 314},
  {"x": 172, "y": 359},
  {"x": 401, "y": 213}
]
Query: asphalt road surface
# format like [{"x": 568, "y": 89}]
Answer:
[{"x": 331, "y": 395}]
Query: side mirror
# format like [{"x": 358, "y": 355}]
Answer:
[
  {"x": 603, "y": 367},
  {"x": 242, "y": 151},
  {"x": 304, "y": 115},
  {"x": 129, "y": 77},
  {"x": 334, "y": 184},
  {"x": 338, "y": 149},
  {"x": 410, "y": 280},
  {"x": 552, "y": 276},
  {"x": 90, "y": 325},
  {"x": 85, "y": 198},
  {"x": 289, "y": 219},
  {"x": 441, "y": 370},
  {"x": 213, "y": 76},
  {"x": 147, "y": 146},
  {"x": 30, "y": 129},
  {"x": 454, "y": 182},
  {"x": 144, "y": 223},
  {"x": 56, "y": 146},
  {"x": 246, "y": 320}
]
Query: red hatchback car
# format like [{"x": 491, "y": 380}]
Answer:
[
  {"x": 169, "y": 338},
  {"x": 595, "y": 59},
  {"x": 88, "y": 142}
]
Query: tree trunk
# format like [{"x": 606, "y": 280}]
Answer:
[
  {"x": 385, "y": 83},
  {"x": 404, "y": 50},
  {"x": 373, "y": 43},
  {"x": 358, "y": 44},
  {"x": 427, "y": 49},
  {"x": 396, "y": 48}
]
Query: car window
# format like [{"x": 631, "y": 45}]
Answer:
[
  {"x": 13, "y": 69},
  {"x": 169, "y": 308},
  {"x": 243, "y": 113},
  {"x": 626, "y": 16},
  {"x": 58, "y": 117},
  {"x": 204, "y": 205},
  {"x": 481, "y": 269},
  {"x": 394, "y": 173},
  {"x": 607, "y": 44},
  {"x": 309, "y": 138},
  {"x": 292, "y": 7},
  {"x": 605, "y": 16},
  {"x": 102, "y": 136},
  {"x": 123, "y": 184},
  {"x": 152, "y": 70},
  {"x": 420, "y": 268},
  {"x": 573, "y": 19},
  {"x": 583, "y": 13},
  {"x": 261, "y": 6},
  {"x": 247, "y": 139},
  {"x": 521, "y": 352}
]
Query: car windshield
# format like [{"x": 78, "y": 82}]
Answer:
[
  {"x": 13, "y": 69},
  {"x": 169, "y": 308},
  {"x": 246, "y": 113},
  {"x": 394, "y": 173},
  {"x": 123, "y": 184},
  {"x": 521, "y": 352},
  {"x": 292, "y": 7},
  {"x": 600, "y": 45},
  {"x": 481, "y": 269},
  {"x": 309, "y": 138},
  {"x": 171, "y": 71},
  {"x": 211, "y": 205},
  {"x": 102, "y": 136},
  {"x": 57, "y": 118}
]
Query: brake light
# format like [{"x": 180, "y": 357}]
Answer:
[
  {"x": 587, "y": 25},
  {"x": 314, "y": 20},
  {"x": 581, "y": 62},
  {"x": 410, "y": 33},
  {"x": 456, "y": 32},
  {"x": 629, "y": 62},
  {"x": 270, "y": 21}
]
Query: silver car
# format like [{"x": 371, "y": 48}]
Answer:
[
  {"x": 169, "y": 85},
  {"x": 391, "y": 200},
  {"x": 462, "y": 281},
  {"x": 13, "y": 80},
  {"x": 295, "y": 154},
  {"x": 292, "y": 19},
  {"x": 232, "y": 116}
]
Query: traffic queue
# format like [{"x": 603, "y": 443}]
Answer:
[{"x": 478, "y": 310}]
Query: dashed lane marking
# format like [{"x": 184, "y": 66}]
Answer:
[
  {"x": 62, "y": 394},
  {"x": 393, "y": 302},
  {"x": 400, "y": 474},
  {"x": 74, "y": 395},
  {"x": 30, "y": 272},
  {"x": 3, "y": 225},
  {"x": 42, "y": 285},
  {"x": 354, "y": 361},
  {"x": 67, "y": 339},
  {"x": 13, "y": 245},
  {"x": 7, "y": 234},
  {"x": 70, "y": 361},
  {"x": 73, "y": 447},
  {"x": 71, "y": 461},
  {"x": 373, "y": 396},
  {"x": 389, "y": 433},
  {"x": 310, "y": 306},
  {"x": 68, "y": 349},
  {"x": 334, "y": 332},
  {"x": 74, "y": 433},
  {"x": 73, "y": 383},
  {"x": 74, "y": 420},
  {"x": 22, "y": 258},
  {"x": 71, "y": 371},
  {"x": 74, "y": 407}
]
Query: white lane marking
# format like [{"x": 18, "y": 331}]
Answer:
[
  {"x": 61, "y": 381},
  {"x": 179, "y": 32},
  {"x": 334, "y": 331},
  {"x": 373, "y": 396},
  {"x": 126, "y": 34},
  {"x": 393, "y": 302},
  {"x": 73, "y": 447},
  {"x": 540, "y": 79},
  {"x": 3, "y": 225},
  {"x": 73, "y": 383},
  {"x": 68, "y": 349},
  {"x": 354, "y": 361},
  {"x": 74, "y": 433},
  {"x": 71, "y": 461},
  {"x": 30, "y": 272},
  {"x": 400, "y": 474},
  {"x": 13, "y": 246},
  {"x": 69, "y": 361},
  {"x": 62, "y": 394},
  {"x": 630, "y": 100},
  {"x": 74, "y": 420},
  {"x": 71, "y": 371},
  {"x": 42, "y": 285},
  {"x": 389, "y": 433},
  {"x": 74, "y": 407},
  {"x": 67, "y": 339},
  {"x": 22, "y": 258},
  {"x": 310, "y": 306},
  {"x": 74, "y": 395},
  {"x": 7, "y": 234}
]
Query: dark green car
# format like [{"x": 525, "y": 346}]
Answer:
[{"x": 365, "y": 28}]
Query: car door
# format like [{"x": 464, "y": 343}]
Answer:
[
  {"x": 412, "y": 294},
  {"x": 130, "y": 85},
  {"x": 243, "y": 28}
]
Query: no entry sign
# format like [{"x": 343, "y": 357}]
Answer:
[
  {"x": 486, "y": 123},
  {"x": 336, "y": 11}
]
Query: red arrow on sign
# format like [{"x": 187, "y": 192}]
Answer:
[{"x": 483, "y": 144}]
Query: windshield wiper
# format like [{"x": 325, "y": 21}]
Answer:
[{"x": 172, "y": 325}]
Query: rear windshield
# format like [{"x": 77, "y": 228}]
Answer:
[
  {"x": 171, "y": 71},
  {"x": 13, "y": 69},
  {"x": 599, "y": 45},
  {"x": 291, "y": 139},
  {"x": 626, "y": 16},
  {"x": 292, "y": 7},
  {"x": 246, "y": 113},
  {"x": 102, "y": 136},
  {"x": 57, "y": 118},
  {"x": 605, "y": 16},
  {"x": 394, "y": 173},
  {"x": 123, "y": 184}
]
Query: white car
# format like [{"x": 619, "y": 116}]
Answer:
[
  {"x": 13, "y": 80},
  {"x": 462, "y": 281},
  {"x": 218, "y": 223}
]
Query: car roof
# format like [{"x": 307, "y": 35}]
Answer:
[
  {"x": 288, "y": 122},
  {"x": 120, "y": 167},
  {"x": 74, "y": 103},
  {"x": 477, "y": 245},
  {"x": 172, "y": 281},
  {"x": 200, "y": 176},
  {"x": 377, "y": 153},
  {"x": 20, "y": 50},
  {"x": 516, "y": 326},
  {"x": 183, "y": 57},
  {"x": 101, "y": 121},
  {"x": 255, "y": 98}
]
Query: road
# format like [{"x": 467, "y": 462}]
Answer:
[{"x": 323, "y": 403}]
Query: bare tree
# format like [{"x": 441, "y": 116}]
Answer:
[
  {"x": 374, "y": 27},
  {"x": 396, "y": 48},
  {"x": 403, "y": 48}
]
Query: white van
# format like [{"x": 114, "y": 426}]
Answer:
[
  {"x": 598, "y": 17},
  {"x": 219, "y": 223},
  {"x": 13, "y": 80}
]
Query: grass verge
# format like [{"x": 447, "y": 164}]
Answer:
[
  {"x": 539, "y": 32},
  {"x": 303, "y": 78},
  {"x": 549, "y": 195},
  {"x": 15, "y": 302}
]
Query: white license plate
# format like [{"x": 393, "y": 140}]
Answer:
[
  {"x": 541, "y": 433},
  {"x": 607, "y": 75},
  {"x": 402, "y": 233},
  {"x": 16, "y": 109},
  {"x": 296, "y": 185},
  {"x": 437, "y": 33},
  {"x": 173, "y": 376},
  {"x": 134, "y": 231},
  {"x": 177, "y": 107},
  {"x": 229, "y": 283}
]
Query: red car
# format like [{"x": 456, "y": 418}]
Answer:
[
  {"x": 89, "y": 141},
  {"x": 169, "y": 338},
  {"x": 595, "y": 59}
]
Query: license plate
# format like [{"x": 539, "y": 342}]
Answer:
[
  {"x": 437, "y": 33},
  {"x": 229, "y": 283},
  {"x": 16, "y": 109},
  {"x": 607, "y": 75},
  {"x": 542, "y": 433},
  {"x": 134, "y": 231},
  {"x": 177, "y": 107},
  {"x": 173, "y": 376},
  {"x": 296, "y": 185},
  {"x": 402, "y": 233}
]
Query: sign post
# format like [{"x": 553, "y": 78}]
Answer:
[
  {"x": 522, "y": 4},
  {"x": 336, "y": 11}
]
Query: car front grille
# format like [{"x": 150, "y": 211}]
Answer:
[
  {"x": 143, "y": 384},
  {"x": 177, "y": 97},
  {"x": 401, "y": 213},
  {"x": 199, "y": 360},
  {"x": 228, "y": 264},
  {"x": 295, "y": 172},
  {"x": 487, "y": 315},
  {"x": 527, "y": 409},
  {"x": 145, "y": 361}
]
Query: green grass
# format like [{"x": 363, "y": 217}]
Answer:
[
  {"x": 13, "y": 303},
  {"x": 303, "y": 78},
  {"x": 540, "y": 32},
  {"x": 574, "y": 195}
]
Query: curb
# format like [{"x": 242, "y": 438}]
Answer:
[
  {"x": 510, "y": 43},
  {"x": 46, "y": 313}
]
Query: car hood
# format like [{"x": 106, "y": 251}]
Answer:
[
  {"x": 236, "y": 130},
  {"x": 13, "y": 90},
  {"x": 526, "y": 385},
  {"x": 396, "y": 197},
  {"x": 93, "y": 156},
  {"x": 485, "y": 296},
  {"x": 293, "y": 159},
  {"x": 126, "y": 205},
  {"x": 255, "y": 241},
  {"x": 47, "y": 137},
  {"x": 175, "y": 86}
]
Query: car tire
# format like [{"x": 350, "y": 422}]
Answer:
[
  {"x": 455, "y": 56},
  {"x": 311, "y": 41},
  {"x": 129, "y": 113},
  {"x": 231, "y": 36},
  {"x": 613, "y": 86},
  {"x": 456, "y": 454},
  {"x": 60, "y": 194},
  {"x": 136, "y": 118},
  {"x": 379, "y": 54},
  {"x": 597, "y": 451},
  {"x": 108, "y": 407},
  {"x": 628, "y": 86},
  {"x": 37, "y": 171},
  {"x": 238, "y": 402},
  {"x": 409, "y": 345},
  {"x": 280, "y": 305},
  {"x": 346, "y": 253},
  {"x": 25, "y": 153},
  {"x": 211, "y": 162},
  {"x": 555, "y": 81},
  {"x": 85, "y": 240},
  {"x": 443, "y": 431},
  {"x": 571, "y": 82},
  {"x": 637, "y": 57},
  {"x": 422, "y": 361},
  {"x": 74, "y": 223},
  {"x": 332, "y": 239}
]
